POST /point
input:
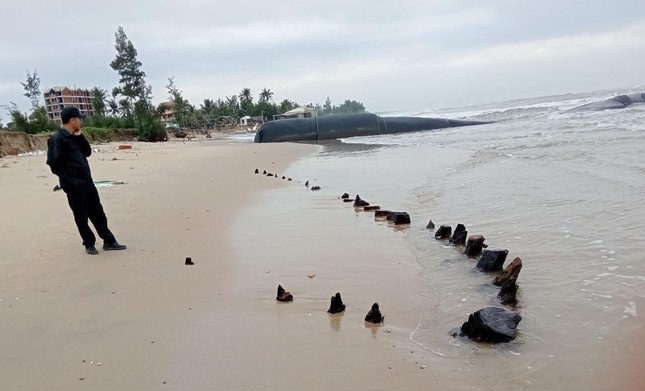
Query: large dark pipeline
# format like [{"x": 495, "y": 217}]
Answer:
[
  {"x": 349, "y": 125},
  {"x": 617, "y": 102}
]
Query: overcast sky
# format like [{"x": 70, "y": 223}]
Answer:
[{"x": 389, "y": 55}]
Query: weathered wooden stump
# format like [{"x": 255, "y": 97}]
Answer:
[
  {"x": 443, "y": 232},
  {"x": 283, "y": 295},
  {"x": 492, "y": 260},
  {"x": 459, "y": 236},
  {"x": 474, "y": 245},
  {"x": 314, "y": 188},
  {"x": 371, "y": 207},
  {"x": 399, "y": 217},
  {"x": 269, "y": 174},
  {"x": 430, "y": 225},
  {"x": 358, "y": 202},
  {"x": 512, "y": 271},
  {"x": 257, "y": 171},
  {"x": 381, "y": 214},
  {"x": 491, "y": 324},
  {"x": 508, "y": 293},
  {"x": 344, "y": 196},
  {"x": 189, "y": 261},
  {"x": 264, "y": 172},
  {"x": 284, "y": 177},
  {"x": 374, "y": 315},
  {"x": 307, "y": 184},
  {"x": 336, "y": 304}
]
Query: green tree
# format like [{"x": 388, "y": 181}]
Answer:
[
  {"x": 32, "y": 89},
  {"x": 246, "y": 101},
  {"x": 113, "y": 107},
  {"x": 266, "y": 95},
  {"x": 181, "y": 106},
  {"x": 135, "y": 90},
  {"x": 99, "y": 97},
  {"x": 286, "y": 105},
  {"x": 327, "y": 107}
]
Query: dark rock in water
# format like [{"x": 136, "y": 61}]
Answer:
[
  {"x": 264, "y": 172},
  {"x": 512, "y": 271},
  {"x": 459, "y": 236},
  {"x": 348, "y": 200},
  {"x": 288, "y": 179},
  {"x": 430, "y": 225},
  {"x": 399, "y": 217},
  {"x": 381, "y": 213},
  {"x": 307, "y": 184},
  {"x": 314, "y": 188},
  {"x": 371, "y": 207},
  {"x": 189, "y": 261},
  {"x": 374, "y": 315},
  {"x": 358, "y": 202},
  {"x": 344, "y": 196},
  {"x": 443, "y": 232},
  {"x": 284, "y": 177},
  {"x": 491, "y": 324},
  {"x": 508, "y": 293},
  {"x": 283, "y": 295},
  {"x": 474, "y": 245},
  {"x": 269, "y": 174},
  {"x": 56, "y": 188},
  {"x": 257, "y": 171},
  {"x": 492, "y": 260},
  {"x": 336, "y": 304}
]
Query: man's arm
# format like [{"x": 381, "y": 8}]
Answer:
[
  {"x": 83, "y": 144},
  {"x": 55, "y": 154}
]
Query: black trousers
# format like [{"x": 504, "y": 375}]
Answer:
[{"x": 86, "y": 204}]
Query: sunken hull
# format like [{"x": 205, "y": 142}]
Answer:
[
  {"x": 618, "y": 102},
  {"x": 349, "y": 125}
]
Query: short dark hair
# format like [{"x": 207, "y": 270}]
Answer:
[{"x": 70, "y": 112}]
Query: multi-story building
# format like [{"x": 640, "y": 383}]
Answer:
[
  {"x": 168, "y": 113},
  {"x": 56, "y": 98}
]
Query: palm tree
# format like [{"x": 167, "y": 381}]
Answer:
[
  {"x": 245, "y": 96},
  {"x": 266, "y": 95},
  {"x": 114, "y": 107},
  {"x": 99, "y": 96}
]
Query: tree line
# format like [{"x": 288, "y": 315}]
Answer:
[{"x": 129, "y": 105}]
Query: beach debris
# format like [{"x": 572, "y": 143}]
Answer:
[
  {"x": 312, "y": 275},
  {"x": 492, "y": 260},
  {"x": 114, "y": 158},
  {"x": 443, "y": 232},
  {"x": 257, "y": 171},
  {"x": 512, "y": 271},
  {"x": 371, "y": 207},
  {"x": 56, "y": 188},
  {"x": 474, "y": 245},
  {"x": 189, "y": 261},
  {"x": 381, "y": 213},
  {"x": 508, "y": 293},
  {"x": 269, "y": 174},
  {"x": 307, "y": 184},
  {"x": 490, "y": 324},
  {"x": 283, "y": 295},
  {"x": 430, "y": 225},
  {"x": 125, "y": 146},
  {"x": 344, "y": 196},
  {"x": 398, "y": 217},
  {"x": 374, "y": 315},
  {"x": 314, "y": 188},
  {"x": 264, "y": 172},
  {"x": 336, "y": 304},
  {"x": 358, "y": 202},
  {"x": 460, "y": 235}
]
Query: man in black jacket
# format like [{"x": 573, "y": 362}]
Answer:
[{"x": 67, "y": 153}]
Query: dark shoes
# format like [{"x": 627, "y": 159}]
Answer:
[
  {"x": 91, "y": 250},
  {"x": 113, "y": 246}
]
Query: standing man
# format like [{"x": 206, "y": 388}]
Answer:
[{"x": 67, "y": 153}]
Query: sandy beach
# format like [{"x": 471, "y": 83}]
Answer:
[{"x": 142, "y": 320}]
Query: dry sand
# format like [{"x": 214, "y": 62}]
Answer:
[{"x": 141, "y": 320}]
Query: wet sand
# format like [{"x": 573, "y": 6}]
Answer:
[{"x": 140, "y": 319}]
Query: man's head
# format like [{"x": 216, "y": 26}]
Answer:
[{"x": 72, "y": 119}]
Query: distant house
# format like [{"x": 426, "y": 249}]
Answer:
[
  {"x": 59, "y": 97},
  {"x": 299, "y": 112},
  {"x": 168, "y": 113},
  {"x": 247, "y": 120}
]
